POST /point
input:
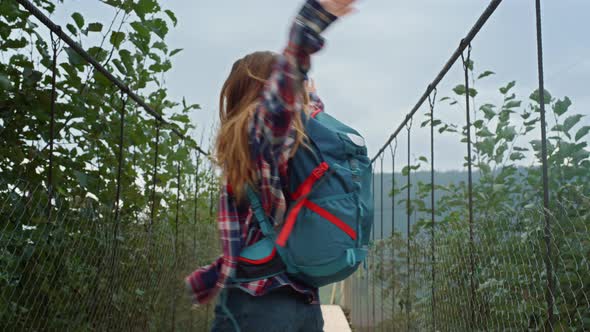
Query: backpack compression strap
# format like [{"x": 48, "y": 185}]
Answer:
[
  {"x": 300, "y": 195},
  {"x": 265, "y": 226}
]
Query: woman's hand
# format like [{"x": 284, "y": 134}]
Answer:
[
  {"x": 310, "y": 86},
  {"x": 338, "y": 8}
]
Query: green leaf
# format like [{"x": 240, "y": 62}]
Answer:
[
  {"x": 161, "y": 46},
  {"x": 120, "y": 66},
  {"x": 459, "y": 89},
  {"x": 517, "y": 156},
  {"x": 72, "y": 29},
  {"x": 513, "y": 104},
  {"x": 478, "y": 124},
  {"x": 504, "y": 90},
  {"x": 117, "y": 38},
  {"x": 422, "y": 158},
  {"x": 127, "y": 60},
  {"x": 571, "y": 121},
  {"x": 509, "y": 133},
  {"x": 171, "y": 16},
  {"x": 488, "y": 111},
  {"x": 485, "y": 74},
  {"x": 95, "y": 27},
  {"x": 536, "y": 97},
  {"x": 100, "y": 54},
  {"x": 485, "y": 132},
  {"x": 582, "y": 132},
  {"x": 174, "y": 52},
  {"x": 5, "y": 82},
  {"x": 180, "y": 118},
  {"x": 73, "y": 56},
  {"x": 101, "y": 79},
  {"x": 141, "y": 29},
  {"x": 82, "y": 178},
  {"x": 157, "y": 26},
  {"x": 561, "y": 106},
  {"x": 79, "y": 19},
  {"x": 445, "y": 98},
  {"x": 144, "y": 7}
]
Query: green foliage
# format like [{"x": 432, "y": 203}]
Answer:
[
  {"x": 55, "y": 270},
  {"x": 498, "y": 281}
]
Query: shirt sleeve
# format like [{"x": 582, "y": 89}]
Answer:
[
  {"x": 316, "y": 103},
  {"x": 271, "y": 127}
]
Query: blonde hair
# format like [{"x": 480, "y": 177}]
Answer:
[{"x": 238, "y": 100}]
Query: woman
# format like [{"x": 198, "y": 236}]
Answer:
[{"x": 261, "y": 127}]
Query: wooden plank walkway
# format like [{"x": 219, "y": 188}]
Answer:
[{"x": 334, "y": 319}]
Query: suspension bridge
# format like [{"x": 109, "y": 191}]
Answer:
[{"x": 103, "y": 218}]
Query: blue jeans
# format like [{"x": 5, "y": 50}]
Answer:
[{"x": 281, "y": 310}]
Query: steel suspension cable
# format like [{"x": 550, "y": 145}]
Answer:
[
  {"x": 381, "y": 246},
  {"x": 178, "y": 178},
  {"x": 408, "y": 305},
  {"x": 56, "y": 29},
  {"x": 120, "y": 159},
  {"x": 393, "y": 275},
  {"x": 481, "y": 21},
  {"x": 431, "y": 102},
  {"x": 550, "y": 290},
  {"x": 466, "y": 67},
  {"x": 54, "y": 47}
]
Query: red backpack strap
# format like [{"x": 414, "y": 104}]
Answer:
[{"x": 300, "y": 195}]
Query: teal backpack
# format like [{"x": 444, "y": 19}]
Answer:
[{"x": 326, "y": 230}]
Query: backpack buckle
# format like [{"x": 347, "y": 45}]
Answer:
[{"x": 319, "y": 171}]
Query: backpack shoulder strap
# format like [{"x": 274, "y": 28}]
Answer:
[{"x": 265, "y": 225}]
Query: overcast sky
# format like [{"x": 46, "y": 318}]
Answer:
[{"x": 379, "y": 61}]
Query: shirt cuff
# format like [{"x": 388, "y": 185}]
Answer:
[{"x": 315, "y": 16}]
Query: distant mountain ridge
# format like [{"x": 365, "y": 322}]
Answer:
[{"x": 440, "y": 178}]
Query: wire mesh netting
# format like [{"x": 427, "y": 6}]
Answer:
[
  {"x": 510, "y": 277},
  {"x": 70, "y": 271},
  {"x": 502, "y": 244},
  {"x": 105, "y": 205}
]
